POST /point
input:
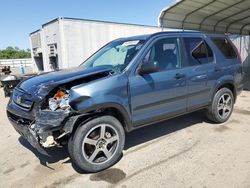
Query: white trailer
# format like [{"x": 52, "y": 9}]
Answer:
[{"x": 67, "y": 42}]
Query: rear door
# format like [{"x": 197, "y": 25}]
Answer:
[
  {"x": 160, "y": 94},
  {"x": 199, "y": 59}
]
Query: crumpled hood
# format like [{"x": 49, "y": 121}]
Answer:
[{"x": 53, "y": 79}]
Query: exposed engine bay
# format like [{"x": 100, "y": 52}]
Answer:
[{"x": 60, "y": 101}]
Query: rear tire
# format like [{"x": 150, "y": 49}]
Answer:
[
  {"x": 97, "y": 144},
  {"x": 222, "y": 106}
]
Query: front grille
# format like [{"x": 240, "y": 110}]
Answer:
[
  {"x": 22, "y": 99},
  {"x": 18, "y": 119}
]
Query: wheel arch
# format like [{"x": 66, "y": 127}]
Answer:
[
  {"x": 226, "y": 84},
  {"x": 113, "y": 109}
]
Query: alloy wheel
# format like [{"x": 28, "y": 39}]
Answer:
[
  {"x": 225, "y": 105},
  {"x": 100, "y": 144}
]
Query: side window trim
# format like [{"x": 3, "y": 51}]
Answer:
[{"x": 208, "y": 47}]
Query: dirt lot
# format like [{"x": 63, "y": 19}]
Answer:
[{"x": 183, "y": 152}]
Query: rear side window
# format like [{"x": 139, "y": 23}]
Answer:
[
  {"x": 198, "y": 51},
  {"x": 225, "y": 47}
]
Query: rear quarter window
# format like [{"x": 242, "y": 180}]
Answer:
[{"x": 225, "y": 47}]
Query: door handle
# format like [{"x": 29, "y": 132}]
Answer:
[
  {"x": 203, "y": 76},
  {"x": 179, "y": 76},
  {"x": 217, "y": 69}
]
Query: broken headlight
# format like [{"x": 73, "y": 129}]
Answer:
[{"x": 60, "y": 101}]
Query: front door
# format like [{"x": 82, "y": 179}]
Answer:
[{"x": 160, "y": 94}]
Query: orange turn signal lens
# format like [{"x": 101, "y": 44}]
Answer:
[{"x": 59, "y": 94}]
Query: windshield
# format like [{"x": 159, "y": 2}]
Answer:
[{"x": 117, "y": 54}]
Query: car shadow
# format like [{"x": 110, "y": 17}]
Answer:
[
  {"x": 55, "y": 154},
  {"x": 157, "y": 130},
  {"x": 133, "y": 138}
]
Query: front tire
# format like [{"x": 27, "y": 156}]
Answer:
[
  {"x": 222, "y": 106},
  {"x": 97, "y": 144}
]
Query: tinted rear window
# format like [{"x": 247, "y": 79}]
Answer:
[{"x": 225, "y": 47}]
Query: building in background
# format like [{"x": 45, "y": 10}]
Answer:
[{"x": 67, "y": 42}]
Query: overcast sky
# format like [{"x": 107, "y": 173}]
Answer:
[{"x": 21, "y": 17}]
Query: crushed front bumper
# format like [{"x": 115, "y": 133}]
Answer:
[
  {"x": 27, "y": 133},
  {"x": 39, "y": 128}
]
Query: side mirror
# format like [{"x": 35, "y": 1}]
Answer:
[{"x": 148, "y": 67}]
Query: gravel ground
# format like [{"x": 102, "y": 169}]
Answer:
[{"x": 183, "y": 152}]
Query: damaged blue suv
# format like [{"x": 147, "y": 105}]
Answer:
[{"x": 129, "y": 83}]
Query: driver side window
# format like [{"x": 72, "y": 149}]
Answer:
[{"x": 166, "y": 53}]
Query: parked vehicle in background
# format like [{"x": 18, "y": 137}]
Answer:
[
  {"x": 12, "y": 71},
  {"x": 127, "y": 84}
]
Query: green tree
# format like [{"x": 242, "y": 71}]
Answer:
[{"x": 14, "y": 53}]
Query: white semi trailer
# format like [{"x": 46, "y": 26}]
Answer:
[{"x": 67, "y": 42}]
